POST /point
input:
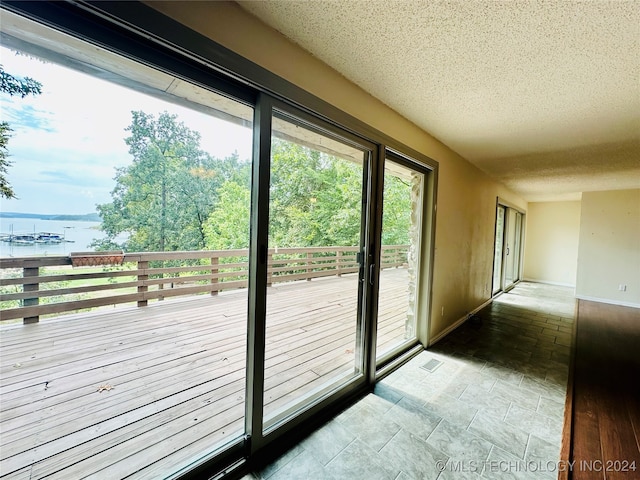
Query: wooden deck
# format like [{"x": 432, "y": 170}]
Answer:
[{"x": 171, "y": 374}]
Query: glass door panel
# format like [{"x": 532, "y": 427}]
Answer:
[
  {"x": 510, "y": 243},
  {"x": 314, "y": 295},
  {"x": 400, "y": 257},
  {"x": 517, "y": 247},
  {"x": 499, "y": 250},
  {"x": 151, "y": 386}
]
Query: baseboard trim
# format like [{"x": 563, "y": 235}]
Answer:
[
  {"x": 548, "y": 282},
  {"x": 457, "y": 323},
  {"x": 609, "y": 301}
]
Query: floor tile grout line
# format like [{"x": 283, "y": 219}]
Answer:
[
  {"x": 338, "y": 454},
  {"x": 392, "y": 437},
  {"x": 434, "y": 429},
  {"x": 398, "y": 475},
  {"x": 504, "y": 418},
  {"x": 526, "y": 448}
]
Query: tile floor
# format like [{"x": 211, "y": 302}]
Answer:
[{"x": 493, "y": 407}]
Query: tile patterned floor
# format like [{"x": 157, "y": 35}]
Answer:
[{"x": 492, "y": 409}]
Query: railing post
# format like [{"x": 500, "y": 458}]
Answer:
[
  {"x": 309, "y": 265},
  {"x": 31, "y": 287},
  {"x": 142, "y": 265},
  {"x": 214, "y": 274},
  {"x": 269, "y": 269},
  {"x": 338, "y": 260},
  {"x": 161, "y": 285}
]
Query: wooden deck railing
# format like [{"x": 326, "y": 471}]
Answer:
[{"x": 37, "y": 286}]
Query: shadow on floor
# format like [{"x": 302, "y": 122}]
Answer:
[{"x": 485, "y": 402}]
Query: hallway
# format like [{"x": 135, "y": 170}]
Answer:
[{"x": 485, "y": 402}]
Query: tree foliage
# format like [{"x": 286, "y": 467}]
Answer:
[
  {"x": 13, "y": 86},
  {"x": 315, "y": 198},
  {"x": 174, "y": 196},
  {"x": 227, "y": 228},
  {"x": 6, "y": 191},
  {"x": 18, "y": 86},
  {"x": 396, "y": 215},
  {"x": 163, "y": 199}
]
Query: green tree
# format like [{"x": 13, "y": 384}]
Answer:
[
  {"x": 316, "y": 199},
  {"x": 228, "y": 225},
  {"x": 13, "y": 86},
  {"x": 18, "y": 86},
  {"x": 337, "y": 211},
  {"x": 396, "y": 214},
  {"x": 6, "y": 190},
  {"x": 295, "y": 181},
  {"x": 164, "y": 197}
]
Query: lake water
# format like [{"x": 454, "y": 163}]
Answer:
[{"x": 78, "y": 235}]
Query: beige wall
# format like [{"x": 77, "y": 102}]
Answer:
[
  {"x": 551, "y": 245},
  {"x": 466, "y": 196},
  {"x": 609, "y": 252}
]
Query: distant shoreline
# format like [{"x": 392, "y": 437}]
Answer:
[{"x": 88, "y": 217}]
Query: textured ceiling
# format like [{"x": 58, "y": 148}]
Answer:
[{"x": 544, "y": 96}]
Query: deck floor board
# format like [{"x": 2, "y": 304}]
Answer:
[{"x": 177, "y": 372}]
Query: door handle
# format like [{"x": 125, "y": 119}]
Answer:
[{"x": 371, "y": 270}]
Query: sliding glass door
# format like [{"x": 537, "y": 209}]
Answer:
[
  {"x": 260, "y": 274},
  {"x": 517, "y": 247},
  {"x": 402, "y": 207},
  {"x": 508, "y": 247},
  {"x": 498, "y": 250},
  {"x": 509, "y": 253},
  {"x": 314, "y": 314}
]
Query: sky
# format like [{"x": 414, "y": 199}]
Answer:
[{"x": 67, "y": 142}]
